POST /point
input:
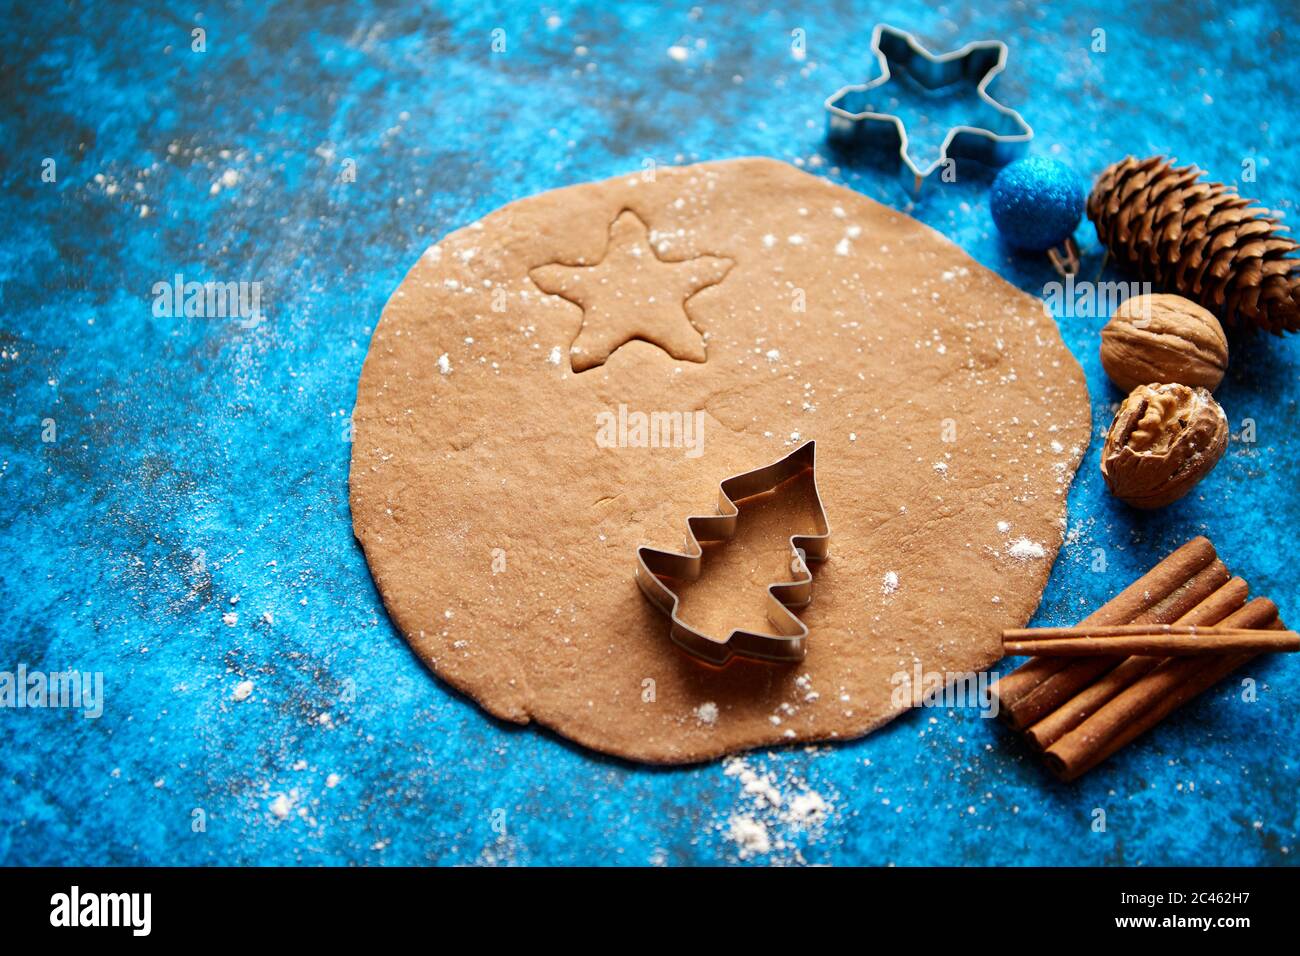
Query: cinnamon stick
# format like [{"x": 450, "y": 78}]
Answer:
[
  {"x": 1053, "y": 636},
  {"x": 1065, "y": 718},
  {"x": 1144, "y": 593},
  {"x": 1187, "y": 642},
  {"x": 1078, "y": 674},
  {"x": 1150, "y": 699}
]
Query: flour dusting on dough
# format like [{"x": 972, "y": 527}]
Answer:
[
  {"x": 707, "y": 713},
  {"x": 1023, "y": 549},
  {"x": 499, "y": 503}
]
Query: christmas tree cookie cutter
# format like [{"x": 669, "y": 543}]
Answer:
[
  {"x": 854, "y": 124},
  {"x": 654, "y": 566}
]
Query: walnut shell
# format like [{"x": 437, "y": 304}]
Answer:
[
  {"x": 1165, "y": 438},
  {"x": 1163, "y": 338}
]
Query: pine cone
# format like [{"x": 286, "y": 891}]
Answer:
[{"x": 1199, "y": 239}]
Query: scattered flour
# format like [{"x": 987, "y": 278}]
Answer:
[
  {"x": 750, "y": 836},
  {"x": 777, "y": 816},
  {"x": 282, "y": 805},
  {"x": 229, "y": 179},
  {"x": 890, "y": 583},
  {"x": 804, "y": 683},
  {"x": 760, "y": 786},
  {"x": 808, "y": 808},
  {"x": 707, "y": 713},
  {"x": 1022, "y": 549}
]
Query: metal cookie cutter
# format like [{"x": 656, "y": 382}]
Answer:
[
  {"x": 855, "y": 123},
  {"x": 653, "y": 566}
]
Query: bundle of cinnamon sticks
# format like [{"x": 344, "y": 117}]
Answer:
[{"x": 1079, "y": 710}]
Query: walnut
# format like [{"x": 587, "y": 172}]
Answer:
[
  {"x": 1165, "y": 438},
  {"x": 1163, "y": 338}
]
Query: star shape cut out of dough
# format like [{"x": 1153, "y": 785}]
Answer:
[{"x": 632, "y": 294}]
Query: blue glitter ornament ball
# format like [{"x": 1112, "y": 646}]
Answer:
[{"x": 1036, "y": 202}]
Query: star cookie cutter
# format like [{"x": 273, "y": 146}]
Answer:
[
  {"x": 853, "y": 123},
  {"x": 653, "y": 566}
]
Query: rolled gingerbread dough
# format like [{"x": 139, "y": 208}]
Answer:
[{"x": 573, "y": 375}]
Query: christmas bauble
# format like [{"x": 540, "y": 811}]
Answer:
[{"x": 1036, "y": 202}]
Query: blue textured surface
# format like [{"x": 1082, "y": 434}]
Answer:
[
  {"x": 1036, "y": 202},
  {"x": 198, "y": 463}
]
